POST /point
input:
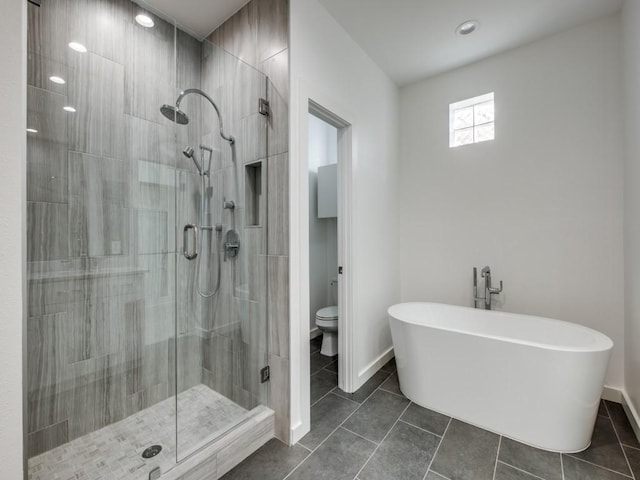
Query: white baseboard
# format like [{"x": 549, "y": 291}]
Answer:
[
  {"x": 369, "y": 371},
  {"x": 296, "y": 433},
  {"x": 632, "y": 414},
  {"x": 314, "y": 332},
  {"x": 612, "y": 394}
]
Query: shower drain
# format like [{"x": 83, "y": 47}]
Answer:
[{"x": 152, "y": 451}]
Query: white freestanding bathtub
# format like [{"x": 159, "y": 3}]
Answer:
[{"x": 532, "y": 379}]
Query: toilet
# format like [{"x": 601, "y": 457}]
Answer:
[{"x": 327, "y": 322}]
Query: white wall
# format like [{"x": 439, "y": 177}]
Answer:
[
  {"x": 323, "y": 232},
  {"x": 327, "y": 62},
  {"x": 13, "y": 84},
  {"x": 542, "y": 204},
  {"x": 631, "y": 60}
]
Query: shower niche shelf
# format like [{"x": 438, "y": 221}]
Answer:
[{"x": 254, "y": 198}]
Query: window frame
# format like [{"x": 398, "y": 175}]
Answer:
[{"x": 473, "y": 103}]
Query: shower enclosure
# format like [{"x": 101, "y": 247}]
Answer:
[{"x": 140, "y": 352}]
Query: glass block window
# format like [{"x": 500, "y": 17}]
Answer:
[{"x": 471, "y": 121}]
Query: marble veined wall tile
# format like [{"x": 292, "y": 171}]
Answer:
[
  {"x": 47, "y": 438},
  {"x": 252, "y": 138},
  {"x": 153, "y": 231},
  {"x": 273, "y": 27},
  {"x": 279, "y": 391},
  {"x": 276, "y": 68},
  {"x": 160, "y": 321},
  {"x": 247, "y": 85},
  {"x": 150, "y": 73},
  {"x": 278, "y": 205},
  {"x": 250, "y": 269},
  {"x": 188, "y": 66},
  {"x": 47, "y": 351},
  {"x": 217, "y": 359},
  {"x": 278, "y": 305},
  {"x": 47, "y": 296},
  {"x": 239, "y": 34},
  {"x": 48, "y": 30},
  {"x": 159, "y": 270},
  {"x": 247, "y": 362},
  {"x": 188, "y": 361},
  {"x": 47, "y": 149},
  {"x": 278, "y": 126},
  {"x": 46, "y": 240},
  {"x": 40, "y": 69},
  {"x": 96, "y": 91},
  {"x": 91, "y": 323},
  {"x": 100, "y": 25},
  {"x": 134, "y": 345},
  {"x": 99, "y": 190},
  {"x": 48, "y": 373},
  {"x": 150, "y": 142},
  {"x": 156, "y": 367},
  {"x": 98, "y": 395}
]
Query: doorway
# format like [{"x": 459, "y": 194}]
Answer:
[{"x": 323, "y": 257}]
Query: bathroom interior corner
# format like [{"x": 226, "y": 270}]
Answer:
[{"x": 216, "y": 207}]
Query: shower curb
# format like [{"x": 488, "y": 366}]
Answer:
[{"x": 227, "y": 451}]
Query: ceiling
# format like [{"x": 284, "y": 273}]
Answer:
[
  {"x": 414, "y": 39},
  {"x": 197, "y": 17}
]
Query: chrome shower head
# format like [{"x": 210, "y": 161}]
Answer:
[
  {"x": 188, "y": 151},
  {"x": 174, "y": 114}
]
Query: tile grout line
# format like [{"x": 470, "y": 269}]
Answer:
[
  {"x": 321, "y": 398},
  {"x": 562, "y": 465},
  {"x": 307, "y": 449},
  {"x": 336, "y": 429},
  {"x": 615, "y": 430},
  {"x": 361, "y": 436},
  {"x": 420, "y": 428},
  {"x": 296, "y": 467},
  {"x": 333, "y": 431},
  {"x": 599, "y": 466},
  {"x": 495, "y": 466},
  {"x": 437, "y": 448},
  {"x": 383, "y": 438},
  {"x": 320, "y": 444},
  {"x": 520, "y": 470}
]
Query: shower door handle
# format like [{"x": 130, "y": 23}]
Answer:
[{"x": 185, "y": 241}]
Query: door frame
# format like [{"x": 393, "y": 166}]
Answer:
[{"x": 313, "y": 101}]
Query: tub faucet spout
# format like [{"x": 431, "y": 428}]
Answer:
[{"x": 488, "y": 289}]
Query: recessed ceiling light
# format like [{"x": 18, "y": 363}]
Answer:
[
  {"x": 467, "y": 27},
  {"x": 32, "y": 130},
  {"x": 78, "y": 47},
  {"x": 69, "y": 109},
  {"x": 145, "y": 20},
  {"x": 58, "y": 80}
]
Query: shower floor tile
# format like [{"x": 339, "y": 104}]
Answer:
[{"x": 114, "y": 452}]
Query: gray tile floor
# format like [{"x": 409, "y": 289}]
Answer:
[{"x": 378, "y": 434}]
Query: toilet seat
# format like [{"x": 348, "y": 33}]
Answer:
[{"x": 327, "y": 313}]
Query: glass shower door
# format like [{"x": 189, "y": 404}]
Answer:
[{"x": 221, "y": 284}]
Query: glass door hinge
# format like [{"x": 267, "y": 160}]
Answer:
[
  {"x": 264, "y": 107},
  {"x": 265, "y": 374}
]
